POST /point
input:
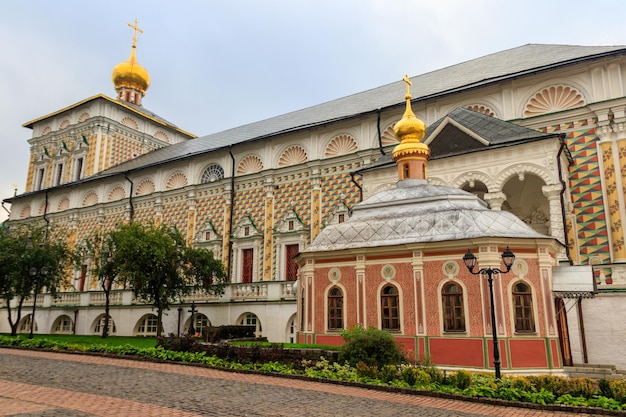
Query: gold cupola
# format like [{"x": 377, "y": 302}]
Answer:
[
  {"x": 410, "y": 155},
  {"x": 131, "y": 80}
]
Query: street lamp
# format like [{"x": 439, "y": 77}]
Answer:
[
  {"x": 470, "y": 262},
  {"x": 36, "y": 274}
]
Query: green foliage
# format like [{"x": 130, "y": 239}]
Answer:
[
  {"x": 533, "y": 389},
  {"x": 31, "y": 258},
  {"x": 155, "y": 262},
  {"x": 373, "y": 347}
]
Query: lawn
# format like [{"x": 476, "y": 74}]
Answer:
[{"x": 140, "y": 342}]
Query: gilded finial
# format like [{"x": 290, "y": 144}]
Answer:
[
  {"x": 408, "y": 85},
  {"x": 135, "y": 29}
]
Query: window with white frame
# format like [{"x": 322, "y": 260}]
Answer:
[{"x": 148, "y": 326}]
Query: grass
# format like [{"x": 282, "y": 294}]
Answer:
[{"x": 140, "y": 342}]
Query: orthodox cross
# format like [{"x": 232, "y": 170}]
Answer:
[
  {"x": 408, "y": 84},
  {"x": 192, "y": 329},
  {"x": 135, "y": 28}
]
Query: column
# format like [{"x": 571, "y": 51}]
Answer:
[
  {"x": 316, "y": 207},
  {"x": 268, "y": 238},
  {"x": 553, "y": 194},
  {"x": 228, "y": 207},
  {"x": 495, "y": 200},
  {"x": 191, "y": 216}
]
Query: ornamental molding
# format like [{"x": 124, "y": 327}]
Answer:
[
  {"x": 116, "y": 193},
  {"x": 176, "y": 180},
  {"x": 341, "y": 145},
  {"x": 552, "y": 99},
  {"x": 145, "y": 187},
  {"x": 249, "y": 165},
  {"x": 293, "y": 155}
]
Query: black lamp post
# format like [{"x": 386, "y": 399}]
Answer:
[
  {"x": 192, "y": 329},
  {"x": 470, "y": 262},
  {"x": 36, "y": 274}
]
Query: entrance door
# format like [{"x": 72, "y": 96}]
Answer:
[{"x": 561, "y": 320}]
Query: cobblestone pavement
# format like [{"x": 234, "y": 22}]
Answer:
[{"x": 44, "y": 384}]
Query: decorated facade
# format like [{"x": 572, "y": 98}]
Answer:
[{"x": 259, "y": 194}]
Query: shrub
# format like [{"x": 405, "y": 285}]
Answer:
[
  {"x": 460, "y": 379},
  {"x": 415, "y": 376},
  {"x": 373, "y": 347}
]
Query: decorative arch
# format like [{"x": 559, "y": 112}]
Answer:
[
  {"x": 42, "y": 207},
  {"x": 65, "y": 123},
  {"x": 481, "y": 108},
  {"x": 64, "y": 204},
  {"x": 520, "y": 171},
  {"x": 475, "y": 177},
  {"x": 213, "y": 172},
  {"x": 293, "y": 155},
  {"x": 24, "y": 324},
  {"x": 46, "y": 130},
  {"x": 176, "y": 180},
  {"x": 116, "y": 193},
  {"x": 249, "y": 165},
  {"x": 83, "y": 116},
  {"x": 130, "y": 122},
  {"x": 25, "y": 212},
  {"x": 553, "y": 98},
  {"x": 341, "y": 145},
  {"x": 145, "y": 187},
  {"x": 161, "y": 135},
  {"x": 388, "y": 137},
  {"x": 90, "y": 199}
]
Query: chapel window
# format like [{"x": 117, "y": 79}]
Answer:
[
  {"x": 523, "y": 303},
  {"x": 247, "y": 264},
  {"x": 389, "y": 307},
  {"x": 335, "y": 309},
  {"x": 453, "y": 312},
  {"x": 291, "y": 267}
]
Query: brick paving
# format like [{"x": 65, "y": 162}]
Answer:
[{"x": 45, "y": 384}]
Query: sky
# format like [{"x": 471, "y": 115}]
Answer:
[{"x": 219, "y": 64}]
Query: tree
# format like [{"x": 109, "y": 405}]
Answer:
[
  {"x": 160, "y": 268},
  {"x": 26, "y": 250},
  {"x": 99, "y": 250}
]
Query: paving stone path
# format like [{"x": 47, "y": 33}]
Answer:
[{"x": 45, "y": 384}]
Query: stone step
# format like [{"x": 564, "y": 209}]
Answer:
[{"x": 593, "y": 371}]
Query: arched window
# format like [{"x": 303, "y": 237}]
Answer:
[
  {"x": 147, "y": 326},
  {"x": 63, "y": 325},
  {"x": 389, "y": 308},
  {"x": 200, "y": 323},
  {"x": 335, "y": 309},
  {"x": 405, "y": 171},
  {"x": 99, "y": 325},
  {"x": 250, "y": 319},
  {"x": 453, "y": 312},
  {"x": 212, "y": 173},
  {"x": 523, "y": 302}
]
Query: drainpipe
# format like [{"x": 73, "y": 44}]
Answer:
[
  {"x": 352, "y": 174},
  {"x": 130, "y": 197},
  {"x": 562, "y": 196},
  {"x": 380, "y": 137},
  {"x": 232, "y": 210},
  {"x": 45, "y": 217},
  {"x": 6, "y": 209}
]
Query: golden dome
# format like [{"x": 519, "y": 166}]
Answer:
[{"x": 130, "y": 74}]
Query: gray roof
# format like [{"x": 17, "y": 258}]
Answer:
[
  {"x": 481, "y": 71},
  {"x": 445, "y": 138},
  {"x": 417, "y": 212}
]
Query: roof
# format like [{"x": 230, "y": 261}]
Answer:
[
  {"x": 462, "y": 131},
  {"x": 418, "y": 212},
  {"x": 471, "y": 74},
  {"x": 140, "y": 110}
]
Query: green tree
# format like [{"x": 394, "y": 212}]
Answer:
[
  {"x": 32, "y": 258},
  {"x": 98, "y": 250},
  {"x": 160, "y": 268}
]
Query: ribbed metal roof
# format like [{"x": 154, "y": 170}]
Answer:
[
  {"x": 480, "y": 71},
  {"x": 417, "y": 212}
]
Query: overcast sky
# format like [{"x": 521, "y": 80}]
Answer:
[{"x": 223, "y": 63}]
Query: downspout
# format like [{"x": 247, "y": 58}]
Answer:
[
  {"x": 232, "y": 210},
  {"x": 562, "y": 197},
  {"x": 130, "y": 197},
  {"x": 352, "y": 174},
  {"x": 380, "y": 137},
  {"x": 45, "y": 217},
  {"x": 6, "y": 209}
]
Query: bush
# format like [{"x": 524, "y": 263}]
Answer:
[
  {"x": 373, "y": 347},
  {"x": 460, "y": 379}
]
